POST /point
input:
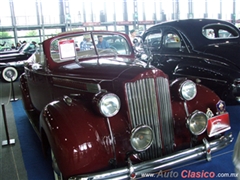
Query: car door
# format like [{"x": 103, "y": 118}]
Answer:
[
  {"x": 39, "y": 82},
  {"x": 176, "y": 58},
  {"x": 168, "y": 49}
]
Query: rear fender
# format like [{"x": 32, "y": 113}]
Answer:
[
  {"x": 27, "y": 103},
  {"x": 79, "y": 138}
]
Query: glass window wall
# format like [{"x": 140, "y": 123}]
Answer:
[{"x": 32, "y": 13}]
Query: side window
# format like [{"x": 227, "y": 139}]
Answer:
[
  {"x": 209, "y": 33},
  {"x": 153, "y": 40},
  {"x": 225, "y": 34},
  {"x": 171, "y": 40},
  {"x": 216, "y": 31}
]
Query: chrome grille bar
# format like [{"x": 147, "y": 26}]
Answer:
[
  {"x": 165, "y": 110},
  {"x": 144, "y": 97}
]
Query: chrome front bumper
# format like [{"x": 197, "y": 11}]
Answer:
[{"x": 153, "y": 166}]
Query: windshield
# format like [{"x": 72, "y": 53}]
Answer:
[{"x": 89, "y": 46}]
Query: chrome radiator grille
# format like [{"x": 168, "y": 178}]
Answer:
[{"x": 149, "y": 103}]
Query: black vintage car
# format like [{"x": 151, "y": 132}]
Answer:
[
  {"x": 12, "y": 62},
  {"x": 206, "y": 50}
]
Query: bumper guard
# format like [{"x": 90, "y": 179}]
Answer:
[{"x": 152, "y": 166}]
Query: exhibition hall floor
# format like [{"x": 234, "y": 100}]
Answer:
[
  {"x": 24, "y": 159},
  {"x": 11, "y": 161}
]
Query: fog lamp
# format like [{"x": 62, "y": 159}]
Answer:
[
  {"x": 141, "y": 138},
  {"x": 197, "y": 122},
  {"x": 188, "y": 90}
]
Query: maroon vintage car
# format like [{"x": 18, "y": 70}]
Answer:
[{"x": 104, "y": 114}]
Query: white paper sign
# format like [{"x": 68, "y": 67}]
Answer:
[{"x": 67, "y": 49}]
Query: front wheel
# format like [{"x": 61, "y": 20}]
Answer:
[
  {"x": 9, "y": 74},
  {"x": 56, "y": 172}
]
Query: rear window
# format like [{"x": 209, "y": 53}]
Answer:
[{"x": 219, "y": 31}]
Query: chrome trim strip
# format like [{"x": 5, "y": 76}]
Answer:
[
  {"x": 201, "y": 78},
  {"x": 186, "y": 108},
  {"x": 112, "y": 138},
  {"x": 76, "y": 85},
  {"x": 165, "y": 115},
  {"x": 155, "y": 165}
]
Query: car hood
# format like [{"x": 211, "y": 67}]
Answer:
[
  {"x": 13, "y": 57},
  {"x": 101, "y": 69}
]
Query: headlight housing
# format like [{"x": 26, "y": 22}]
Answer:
[
  {"x": 188, "y": 90},
  {"x": 197, "y": 122},
  {"x": 107, "y": 104},
  {"x": 141, "y": 138},
  {"x": 236, "y": 82}
]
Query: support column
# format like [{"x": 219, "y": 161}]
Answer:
[
  {"x": 38, "y": 20},
  {"x": 84, "y": 13},
  {"x": 41, "y": 12},
  {"x": 135, "y": 12},
  {"x": 13, "y": 18},
  {"x": 233, "y": 17},
  {"x": 144, "y": 14},
  {"x": 175, "y": 5},
  {"x": 68, "y": 20},
  {"x": 177, "y": 10},
  {"x": 206, "y": 9},
  {"x": 163, "y": 15},
  {"x": 190, "y": 9},
  {"x": 114, "y": 16},
  {"x": 125, "y": 15},
  {"x": 155, "y": 13},
  {"x": 220, "y": 10},
  {"x": 62, "y": 15}
]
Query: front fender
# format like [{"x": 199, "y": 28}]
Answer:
[
  {"x": 204, "y": 99},
  {"x": 79, "y": 138}
]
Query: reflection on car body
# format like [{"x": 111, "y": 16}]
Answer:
[
  {"x": 202, "y": 49},
  {"x": 105, "y": 114}
]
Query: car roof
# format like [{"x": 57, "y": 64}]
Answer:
[{"x": 192, "y": 28}]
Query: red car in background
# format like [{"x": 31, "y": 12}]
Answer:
[{"x": 104, "y": 114}]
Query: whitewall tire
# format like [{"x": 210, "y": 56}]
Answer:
[{"x": 9, "y": 73}]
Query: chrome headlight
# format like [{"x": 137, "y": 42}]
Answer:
[
  {"x": 108, "y": 104},
  {"x": 236, "y": 82},
  {"x": 141, "y": 138},
  {"x": 197, "y": 122},
  {"x": 188, "y": 90}
]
